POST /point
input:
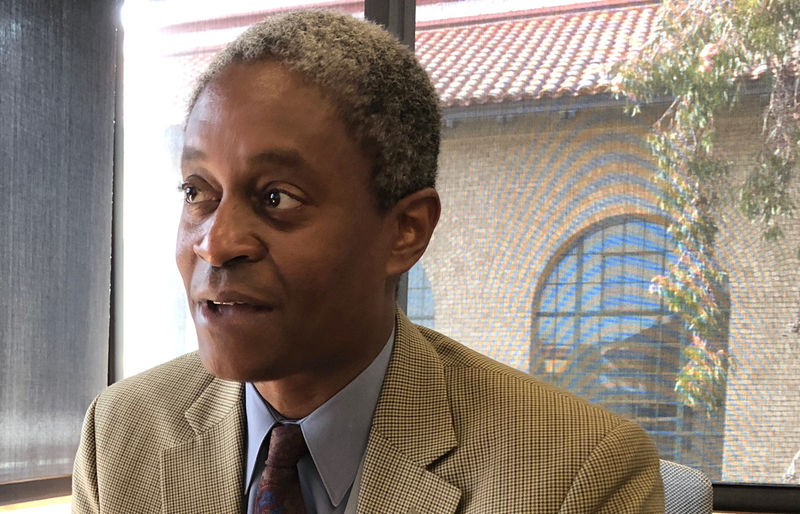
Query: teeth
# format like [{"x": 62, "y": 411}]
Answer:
[{"x": 224, "y": 303}]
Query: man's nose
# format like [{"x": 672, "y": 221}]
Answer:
[{"x": 229, "y": 236}]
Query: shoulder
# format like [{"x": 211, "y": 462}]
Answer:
[
  {"x": 172, "y": 386},
  {"x": 152, "y": 404},
  {"x": 126, "y": 429},
  {"x": 481, "y": 382},
  {"x": 588, "y": 457}
]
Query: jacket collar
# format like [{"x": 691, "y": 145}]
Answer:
[
  {"x": 204, "y": 472},
  {"x": 411, "y": 429}
]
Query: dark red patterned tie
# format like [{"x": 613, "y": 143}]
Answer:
[{"x": 279, "y": 485}]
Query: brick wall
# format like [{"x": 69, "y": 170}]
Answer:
[{"x": 514, "y": 192}]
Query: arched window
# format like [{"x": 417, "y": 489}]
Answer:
[
  {"x": 420, "y": 297},
  {"x": 600, "y": 333}
]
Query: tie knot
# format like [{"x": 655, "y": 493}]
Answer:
[{"x": 286, "y": 446}]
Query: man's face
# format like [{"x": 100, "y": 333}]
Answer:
[{"x": 281, "y": 247}]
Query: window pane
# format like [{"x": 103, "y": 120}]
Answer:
[
  {"x": 567, "y": 270},
  {"x": 420, "y": 307},
  {"x": 593, "y": 269},
  {"x": 549, "y": 298},
  {"x": 559, "y": 185}
]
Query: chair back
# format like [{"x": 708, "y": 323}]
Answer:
[{"x": 686, "y": 490}]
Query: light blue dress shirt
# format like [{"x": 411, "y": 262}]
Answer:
[{"x": 336, "y": 434}]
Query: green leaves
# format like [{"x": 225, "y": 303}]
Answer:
[
  {"x": 702, "y": 380},
  {"x": 700, "y": 54},
  {"x": 765, "y": 197}
]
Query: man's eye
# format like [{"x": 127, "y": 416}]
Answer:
[
  {"x": 192, "y": 194},
  {"x": 277, "y": 199}
]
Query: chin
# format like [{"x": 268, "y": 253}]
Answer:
[{"x": 237, "y": 368}]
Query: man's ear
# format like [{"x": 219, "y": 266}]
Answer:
[{"x": 413, "y": 219}]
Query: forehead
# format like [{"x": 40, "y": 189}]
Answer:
[
  {"x": 264, "y": 108},
  {"x": 264, "y": 102},
  {"x": 263, "y": 87}
]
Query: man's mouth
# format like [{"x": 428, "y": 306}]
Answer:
[
  {"x": 214, "y": 302},
  {"x": 220, "y": 307}
]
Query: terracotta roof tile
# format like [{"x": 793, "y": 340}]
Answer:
[
  {"x": 534, "y": 58},
  {"x": 541, "y": 56},
  {"x": 529, "y": 59}
]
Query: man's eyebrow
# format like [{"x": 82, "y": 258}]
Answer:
[
  {"x": 192, "y": 154},
  {"x": 282, "y": 157},
  {"x": 288, "y": 158}
]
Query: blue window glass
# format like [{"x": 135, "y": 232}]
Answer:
[
  {"x": 420, "y": 297},
  {"x": 600, "y": 333}
]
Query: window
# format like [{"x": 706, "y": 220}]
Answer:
[
  {"x": 599, "y": 332},
  {"x": 533, "y": 153},
  {"x": 420, "y": 297},
  {"x": 531, "y": 156},
  {"x": 541, "y": 172}
]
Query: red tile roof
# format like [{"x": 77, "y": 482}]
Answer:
[
  {"x": 530, "y": 59},
  {"x": 544, "y": 54}
]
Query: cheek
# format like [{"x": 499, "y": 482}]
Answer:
[{"x": 336, "y": 264}]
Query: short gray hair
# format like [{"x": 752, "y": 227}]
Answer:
[{"x": 379, "y": 90}]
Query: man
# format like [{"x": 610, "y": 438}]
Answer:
[{"x": 308, "y": 169}]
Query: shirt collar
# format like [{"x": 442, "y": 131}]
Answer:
[{"x": 336, "y": 432}]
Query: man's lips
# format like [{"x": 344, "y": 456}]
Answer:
[
  {"x": 232, "y": 299},
  {"x": 221, "y": 306},
  {"x": 232, "y": 316},
  {"x": 213, "y": 306}
]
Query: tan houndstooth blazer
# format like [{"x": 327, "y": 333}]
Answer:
[{"x": 453, "y": 432}]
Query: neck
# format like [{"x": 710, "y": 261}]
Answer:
[{"x": 298, "y": 395}]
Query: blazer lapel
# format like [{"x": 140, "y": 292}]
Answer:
[
  {"x": 204, "y": 473},
  {"x": 411, "y": 429}
]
